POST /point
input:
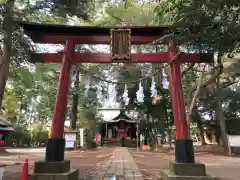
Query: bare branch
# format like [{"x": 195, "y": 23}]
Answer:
[
  {"x": 216, "y": 73},
  {"x": 188, "y": 69},
  {"x": 229, "y": 84},
  {"x": 193, "y": 102},
  {"x": 116, "y": 17}
]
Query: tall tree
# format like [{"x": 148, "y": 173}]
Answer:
[
  {"x": 7, "y": 29},
  {"x": 15, "y": 10},
  {"x": 75, "y": 100}
]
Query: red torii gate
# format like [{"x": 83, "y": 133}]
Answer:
[{"x": 72, "y": 35}]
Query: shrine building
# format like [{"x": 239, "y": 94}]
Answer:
[
  {"x": 5, "y": 129},
  {"x": 118, "y": 127}
]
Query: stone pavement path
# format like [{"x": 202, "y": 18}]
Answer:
[{"x": 121, "y": 165}]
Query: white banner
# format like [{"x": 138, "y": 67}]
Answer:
[
  {"x": 234, "y": 140},
  {"x": 69, "y": 144},
  {"x": 70, "y": 136},
  {"x": 81, "y": 137}
]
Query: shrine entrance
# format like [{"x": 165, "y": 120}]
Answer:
[{"x": 120, "y": 41}]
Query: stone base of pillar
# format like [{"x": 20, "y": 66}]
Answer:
[
  {"x": 55, "y": 149},
  {"x": 184, "y": 151},
  {"x": 186, "y": 171},
  {"x": 44, "y": 170}
]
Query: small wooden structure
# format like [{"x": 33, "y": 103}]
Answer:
[
  {"x": 5, "y": 129},
  {"x": 211, "y": 132},
  {"x": 233, "y": 132},
  {"x": 70, "y": 138}
]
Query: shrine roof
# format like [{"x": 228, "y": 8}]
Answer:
[
  {"x": 5, "y": 125},
  {"x": 122, "y": 115},
  {"x": 37, "y": 31}
]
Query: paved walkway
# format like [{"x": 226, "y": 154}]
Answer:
[{"x": 121, "y": 165}]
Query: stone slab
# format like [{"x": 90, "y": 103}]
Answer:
[
  {"x": 121, "y": 165},
  {"x": 51, "y": 167},
  {"x": 71, "y": 175},
  {"x": 187, "y": 169},
  {"x": 167, "y": 175}
]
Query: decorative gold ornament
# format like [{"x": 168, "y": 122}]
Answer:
[{"x": 156, "y": 100}]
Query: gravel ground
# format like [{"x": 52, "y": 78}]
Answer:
[
  {"x": 88, "y": 162},
  {"x": 152, "y": 163},
  {"x": 149, "y": 163}
]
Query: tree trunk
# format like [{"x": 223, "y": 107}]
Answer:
[
  {"x": 199, "y": 125},
  {"x": 193, "y": 101},
  {"x": 75, "y": 101},
  {"x": 201, "y": 132},
  {"x": 170, "y": 138},
  {"x": 7, "y": 46},
  {"x": 221, "y": 120}
]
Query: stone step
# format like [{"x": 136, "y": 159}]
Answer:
[
  {"x": 73, "y": 174},
  {"x": 167, "y": 175},
  {"x": 121, "y": 165}
]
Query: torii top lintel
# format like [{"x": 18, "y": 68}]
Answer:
[{"x": 58, "y": 34}]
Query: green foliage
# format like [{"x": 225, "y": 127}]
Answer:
[
  {"x": 21, "y": 136},
  {"x": 79, "y": 8},
  {"x": 133, "y": 14},
  {"x": 31, "y": 89},
  {"x": 230, "y": 102},
  {"x": 213, "y": 24},
  {"x": 39, "y": 133}
]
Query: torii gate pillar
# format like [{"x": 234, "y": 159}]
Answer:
[
  {"x": 184, "y": 152},
  {"x": 184, "y": 166},
  {"x": 56, "y": 142}
]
